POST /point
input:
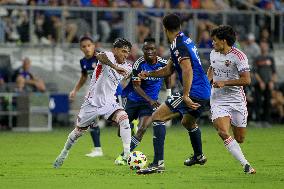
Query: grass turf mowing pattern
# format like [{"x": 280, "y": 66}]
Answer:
[{"x": 26, "y": 161}]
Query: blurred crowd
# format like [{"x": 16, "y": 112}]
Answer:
[{"x": 49, "y": 25}]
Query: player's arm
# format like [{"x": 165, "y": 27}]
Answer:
[
  {"x": 244, "y": 80},
  {"x": 187, "y": 77},
  {"x": 102, "y": 57},
  {"x": 79, "y": 84},
  {"x": 210, "y": 74},
  {"x": 165, "y": 71},
  {"x": 136, "y": 82},
  {"x": 168, "y": 85}
]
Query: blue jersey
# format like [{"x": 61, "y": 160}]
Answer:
[
  {"x": 184, "y": 48},
  {"x": 151, "y": 85},
  {"x": 87, "y": 65}
]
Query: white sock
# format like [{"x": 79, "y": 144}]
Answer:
[
  {"x": 125, "y": 131},
  {"x": 234, "y": 148},
  {"x": 72, "y": 139}
]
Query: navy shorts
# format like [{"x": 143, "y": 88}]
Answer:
[
  {"x": 176, "y": 104},
  {"x": 135, "y": 110}
]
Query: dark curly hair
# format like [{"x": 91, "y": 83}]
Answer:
[
  {"x": 121, "y": 42},
  {"x": 225, "y": 32},
  {"x": 172, "y": 22}
]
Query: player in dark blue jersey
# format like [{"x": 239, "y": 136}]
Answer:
[
  {"x": 142, "y": 95},
  {"x": 189, "y": 104},
  {"x": 88, "y": 64}
]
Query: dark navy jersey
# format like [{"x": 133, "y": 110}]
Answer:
[
  {"x": 184, "y": 48},
  {"x": 87, "y": 65},
  {"x": 151, "y": 85}
]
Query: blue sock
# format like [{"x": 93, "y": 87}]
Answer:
[
  {"x": 159, "y": 134},
  {"x": 95, "y": 133},
  {"x": 195, "y": 138}
]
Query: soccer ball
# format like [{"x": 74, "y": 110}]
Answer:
[{"x": 136, "y": 160}]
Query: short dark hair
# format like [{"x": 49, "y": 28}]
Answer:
[
  {"x": 86, "y": 37},
  {"x": 225, "y": 32},
  {"x": 149, "y": 40},
  {"x": 172, "y": 22},
  {"x": 121, "y": 42}
]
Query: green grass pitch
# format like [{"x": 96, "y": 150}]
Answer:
[{"x": 26, "y": 161}]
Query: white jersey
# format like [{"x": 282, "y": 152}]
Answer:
[
  {"x": 227, "y": 67},
  {"x": 104, "y": 82}
]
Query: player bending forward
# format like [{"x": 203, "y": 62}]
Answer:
[
  {"x": 100, "y": 99},
  {"x": 229, "y": 70}
]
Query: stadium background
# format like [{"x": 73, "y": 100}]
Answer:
[{"x": 47, "y": 32}]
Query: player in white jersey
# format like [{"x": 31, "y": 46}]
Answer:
[
  {"x": 229, "y": 72},
  {"x": 100, "y": 99}
]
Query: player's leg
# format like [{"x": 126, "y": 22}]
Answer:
[
  {"x": 189, "y": 122},
  {"x": 121, "y": 118},
  {"x": 239, "y": 130},
  {"x": 85, "y": 117},
  {"x": 95, "y": 135},
  {"x": 158, "y": 118}
]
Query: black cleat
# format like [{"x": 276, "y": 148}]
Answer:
[
  {"x": 152, "y": 168},
  {"x": 201, "y": 160},
  {"x": 249, "y": 170}
]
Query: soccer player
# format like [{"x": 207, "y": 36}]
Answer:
[
  {"x": 143, "y": 95},
  {"x": 229, "y": 72},
  {"x": 88, "y": 64},
  {"x": 189, "y": 104},
  {"x": 100, "y": 99}
]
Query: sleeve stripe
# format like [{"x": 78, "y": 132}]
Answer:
[
  {"x": 183, "y": 58},
  {"x": 137, "y": 63}
]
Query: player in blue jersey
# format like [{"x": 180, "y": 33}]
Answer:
[
  {"x": 88, "y": 64},
  {"x": 142, "y": 96},
  {"x": 189, "y": 104}
]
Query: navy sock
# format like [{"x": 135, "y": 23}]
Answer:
[
  {"x": 159, "y": 134},
  {"x": 95, "y": 133},
  {"x": 195, "y": 138}
]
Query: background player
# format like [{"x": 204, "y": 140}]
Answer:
[
  {"x": 142, "y": 97},
  {"x": 88, "y": 64},
  {"x": 229, "y": 71},
  {"x": 190, "y": 104},
  {"x": 100, "y": 100}
]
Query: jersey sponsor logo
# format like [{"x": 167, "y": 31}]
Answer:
[{"x": 228, "y": 63}]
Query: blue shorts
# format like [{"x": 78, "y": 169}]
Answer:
[
  {"x": 135, "y": 110},
  {"x": 176, "y": 104}
]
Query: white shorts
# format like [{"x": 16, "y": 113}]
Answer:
[
  {"x": 237, "y": 112},
  {"x": 89, "y": 113}
]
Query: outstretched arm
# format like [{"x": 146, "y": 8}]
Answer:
[
  {"x": 102, "y": 57},
  {"x": 79, "y": 84},
  {"x": 166, "y": 71}
]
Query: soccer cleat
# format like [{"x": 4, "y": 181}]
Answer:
[
  {"x": 60, "y": 159},
  {"x": 152, "y": 168},
  {"x": 96, "y": 152},
  {"x": 249, "y": 170},
  {"x": 201, "y": 160},
  {"x": 120, "y": 160}
]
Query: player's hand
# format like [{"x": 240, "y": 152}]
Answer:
[
  {"x": 154, "y": 104},
  {"x": 72, "y": 95},
  {"x": 143, "y": 74},
  {"x": 190, "y": 103},
  {"x": 121, "y": 71},
  {"x": 262, "y": 85},
  {"x": 218, "y": 84},
  {"x": 271, "y": 85}
]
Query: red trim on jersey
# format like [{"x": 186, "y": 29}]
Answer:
[
  {"x": 98, "y": 71},
  {"x": 239, "y": 53}
]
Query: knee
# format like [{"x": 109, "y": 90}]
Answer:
[
  {"x": 122, "y": 119},
  {"x": 223, "y": 134},
  {"x": 240, "y": 139},
  {"x": 188, "y": 124}
]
